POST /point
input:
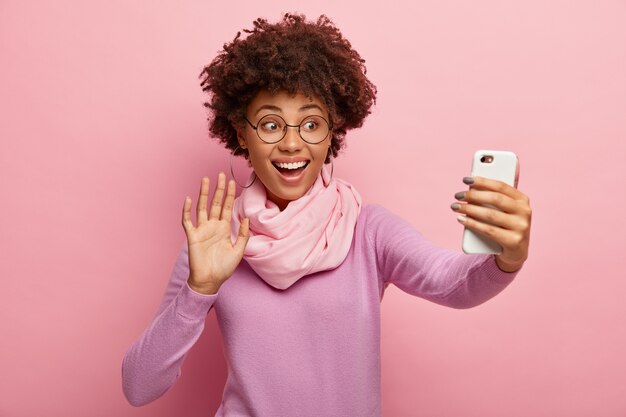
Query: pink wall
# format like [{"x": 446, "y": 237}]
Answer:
[{"x": 103, "y": 134}]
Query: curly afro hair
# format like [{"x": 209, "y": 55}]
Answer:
[{"x": 292, "y": 55}]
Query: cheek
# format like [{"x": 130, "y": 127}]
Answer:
[
  {"x": 320, "y": 159},
  {"x": 259, "y": 161},
  {"x": 256, "y": 157},
  {"x": 324, "y": 153}
]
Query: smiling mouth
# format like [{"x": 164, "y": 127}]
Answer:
[{"x": 291, "y": 170}]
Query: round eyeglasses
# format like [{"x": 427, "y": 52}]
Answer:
[{"x": 272, "y": 128}]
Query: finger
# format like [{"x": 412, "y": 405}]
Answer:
[
  {"x": 201, "y": 216},
  {"x": 505, "y": 238},
  {"x": 216, "y": 205},
  {"x": 228, "y": 203},
  {"x": 244, "y": 235},
  {"x": 187, "y": 224},
  {"x": 496, "y": 185},
  {"x": 486, "y": 215},
  {"x": 491, "y": 198}
]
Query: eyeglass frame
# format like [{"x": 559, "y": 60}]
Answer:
[{"x": 330, "y": 128}]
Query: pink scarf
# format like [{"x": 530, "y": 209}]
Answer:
[{"x": 313, "y": 233}]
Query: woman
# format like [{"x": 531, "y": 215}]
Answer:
[{"x": 297, "y": 295}]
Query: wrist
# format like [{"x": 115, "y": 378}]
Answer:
[
  {"x": 206, "y": 289},
  {"x": 507, "y": 266}
]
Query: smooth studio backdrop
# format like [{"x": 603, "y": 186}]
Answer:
[{"x": 103, "y": 134}]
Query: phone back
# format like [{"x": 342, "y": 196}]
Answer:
[{"x": 498, "y": 165}]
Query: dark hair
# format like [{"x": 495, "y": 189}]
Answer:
[{"x": 292, "y": 55}]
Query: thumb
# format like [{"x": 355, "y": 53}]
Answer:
[{"x": 244, "y": 235}]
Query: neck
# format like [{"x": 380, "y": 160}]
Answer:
[{"x": 280, "y": 202}]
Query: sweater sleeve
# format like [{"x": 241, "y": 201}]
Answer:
[
  {"x": 416, "y": 266},
  {"x": 153, "y": 363}
]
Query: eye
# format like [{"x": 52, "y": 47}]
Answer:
[
  {"x": 269, "y": 126},
  {"x": 310, "y": 125}
]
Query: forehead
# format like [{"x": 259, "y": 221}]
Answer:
[{"x": 283, "y": 102}]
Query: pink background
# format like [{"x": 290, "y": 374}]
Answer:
[{"x": 103, "y": 133}]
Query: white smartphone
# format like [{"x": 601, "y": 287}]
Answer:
[{"x": 497, "y": 165}]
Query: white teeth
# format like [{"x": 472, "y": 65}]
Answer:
[{"x": 294, "y": 165}]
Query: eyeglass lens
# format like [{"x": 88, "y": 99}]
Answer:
[{"x": 272, "y": 128}]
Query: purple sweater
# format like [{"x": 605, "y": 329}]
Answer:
[{"x": 314, "y": 348}]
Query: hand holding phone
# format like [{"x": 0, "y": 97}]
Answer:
[
  {"x": 497, "y": 165},
  {"x": 495, "y": 210}
]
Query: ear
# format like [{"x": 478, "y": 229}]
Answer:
[
  {"x": 241, "y": 136},
  {"x": 330, "y": 144}
]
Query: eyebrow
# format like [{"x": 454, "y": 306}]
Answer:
[{"x": 278, "y": 109}]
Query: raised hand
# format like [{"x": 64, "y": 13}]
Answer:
[
  {"x": 510, "y": 227},
  {"x": 212, "y": 256}
]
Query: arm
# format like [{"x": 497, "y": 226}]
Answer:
[
  {"x": 153, "y": 363},
  {"x": 412, "y": 263}
]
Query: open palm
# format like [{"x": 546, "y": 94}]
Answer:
[{"x": 212, "y": 256}]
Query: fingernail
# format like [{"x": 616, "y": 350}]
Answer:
[
  {"x": 468, "y": 180},
  {"x": 461, "y": 219},
  {"x": 460, "y": 195},
  {"x": 455, "y": 206}
]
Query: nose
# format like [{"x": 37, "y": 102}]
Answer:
[{"x": 292, "y": 141}]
